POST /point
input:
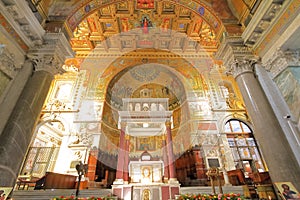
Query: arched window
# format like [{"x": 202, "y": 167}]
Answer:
[{"x": 243, "y": 147}]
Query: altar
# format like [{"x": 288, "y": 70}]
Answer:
[
  {"x": 146, "y": 172},
  {"x": 145, "y": 168}
]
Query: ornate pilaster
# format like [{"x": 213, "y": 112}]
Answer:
[{"x": 281, "y": 60}]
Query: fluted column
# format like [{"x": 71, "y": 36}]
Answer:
[
  {"x": 277, "y": 152},
  {"x": 171, "y": 161},
  {"x": 121, "y": 154},
  {"x": 46, "y": 61}
]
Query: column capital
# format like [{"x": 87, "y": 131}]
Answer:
[
  {"x": 51, "y": 55},
  {"x": 240, "y": 66},
  {"x": 236, "y": 56},
  {"x": 281, "y": 60}
]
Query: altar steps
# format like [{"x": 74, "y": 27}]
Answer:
[{"x": 48, "y": 194}]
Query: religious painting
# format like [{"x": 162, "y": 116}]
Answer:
[
  {"x": 146, "y": 23},
  {"x": 145, "y": 144},
  {"x": 4, "y": 192},
  {"x": 145, "y": 4},
  {"x": 287, "y": 191},
  {"x": 165, "y": 25}
]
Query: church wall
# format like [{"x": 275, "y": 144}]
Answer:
[{"x": 288, "y": 83}]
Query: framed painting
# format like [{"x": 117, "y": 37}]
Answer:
[{"x": 287, "y": 191}]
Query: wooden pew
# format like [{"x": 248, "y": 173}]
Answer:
[{"x": 56, "y": 181}]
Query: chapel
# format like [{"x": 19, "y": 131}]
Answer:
[{"x": 150, "y": 95}]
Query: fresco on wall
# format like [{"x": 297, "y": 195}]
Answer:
[{"x": 288, "y": 83}]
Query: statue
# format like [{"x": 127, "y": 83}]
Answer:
[{"x": 233, "y": 102}]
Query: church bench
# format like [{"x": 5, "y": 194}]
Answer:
[{"x": 56, "y": 181}]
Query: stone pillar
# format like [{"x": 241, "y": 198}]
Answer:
[
  {"x": 171, "y": 161},
  {"x": 121, "y": 155},
  {"x": 17, "y": 133},
  {"x": 271, "y": 139},
  {"x": 165, "y": 158},
  {"x": 279, "y": 62},
  {"x": 47, "y": 60},
  {"x": 126, "y": 158}
]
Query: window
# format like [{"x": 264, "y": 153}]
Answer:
[{"x": 243, "y": 147}]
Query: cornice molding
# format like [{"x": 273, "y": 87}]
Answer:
[
  {"x": 262, "y": 21},
  {"x": 20, "y": 17},
  {"x": 233, "y": 49},
  {"x": 281, "y": 60}
]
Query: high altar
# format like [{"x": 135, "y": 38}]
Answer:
[{"x": 146, "y": 177}]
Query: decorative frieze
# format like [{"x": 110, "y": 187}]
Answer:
[{"x": 281, "y": 60}]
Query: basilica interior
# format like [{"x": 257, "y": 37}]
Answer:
[{"x": 150, "y": 94}]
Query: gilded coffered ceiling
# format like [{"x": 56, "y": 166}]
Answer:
[{"x": 138, "y": 23}]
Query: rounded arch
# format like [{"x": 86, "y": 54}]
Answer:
[
  {"x": 162, "y": 82},
  {"x": 240, "y": 117},
  {"x": 189, "y": 74}
]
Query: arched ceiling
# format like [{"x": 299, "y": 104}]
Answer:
[{"x": 92, "y": 22}]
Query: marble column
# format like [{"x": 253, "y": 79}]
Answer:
[
  {"x": 271, "y": 139},
  {"x": 17, "y": 134},
  {"x": 46, "y": 61},
  {"x": 14, "y": 89},
  {"x": 121, "y": 155},
  {"x": 165, "y": 158},
  {"x": 171, "y": 161},
  {"x": 126, "y": 158}
]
